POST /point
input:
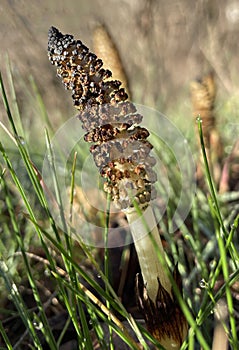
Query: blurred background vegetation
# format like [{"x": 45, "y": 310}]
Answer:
[{"x": 163, "y": 45}]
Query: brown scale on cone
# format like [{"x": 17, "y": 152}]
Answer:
[{"x": 120, "y": 149}]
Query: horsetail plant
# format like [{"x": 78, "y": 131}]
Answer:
[{"x": 121, "y": 152}]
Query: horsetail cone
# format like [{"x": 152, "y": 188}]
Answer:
[
  {"x": 120, "y": 149},
  {"x": 121, "y": 152}
]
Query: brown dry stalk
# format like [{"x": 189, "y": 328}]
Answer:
[
  {"x": 121, "y": 152},
  {"x": 105, "y": 48},
  {"x": 220, "y": 337},
  {"x": 230, "y": 172},
  {"x": 203, "y": 94}
]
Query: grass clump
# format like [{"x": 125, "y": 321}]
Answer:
[{"x": 57, "y": 291}]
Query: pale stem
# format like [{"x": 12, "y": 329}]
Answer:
[{"x": 142, "y": 227}]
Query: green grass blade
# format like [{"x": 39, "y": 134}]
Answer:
[
  {"x": 19, "y": 303},
  {"x": 222, "y": 237},
  {"x": 5, "y": 337}
]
